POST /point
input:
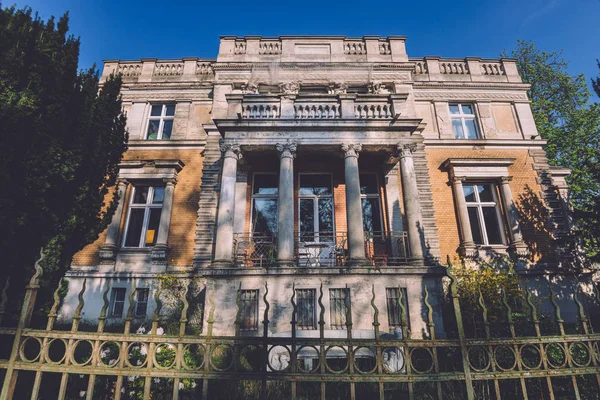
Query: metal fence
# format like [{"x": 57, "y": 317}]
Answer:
[{"x": 125, "y": 365}]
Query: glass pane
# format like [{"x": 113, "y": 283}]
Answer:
[
  {"x": 326, "y": 220},
  {"x": 471, "y": 129},
  {"x": 265, "y": 184},
  {"x": 153, "y": 129},
  {"x": 156, "y": 110},
  {"x": 469, "y": 191},
  {"x": 368, "y": 184},
  {"x": 467, "y": 109},
  {"x": 170, "y": 110},
  {"x": 454, "y": 109},
  {"x": 485, "y": 192},
  {"x": 475, "y": 227},
  {"x": 159, "y": 195},
  {"x": 458, "y": 129},
  {"x": 153, "y": 223},
  {"x": 307, "y": 220},
  {"x": 371, "y": 216},
  {"x": 134, "y": 229},
  {"x": 265, "y": 217},
  {"x": 118, "y": 310},
  {"x": 492, "y": 226},
  {"x": 315, "y": 184},
  {"x": 167, "y": 128},
  {"x": 119, "y": 294},
  {"x": 141, "y": 195}
]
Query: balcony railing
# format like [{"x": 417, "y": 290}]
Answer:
[{"x": 321, "y": 249}]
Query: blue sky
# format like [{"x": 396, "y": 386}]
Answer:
[{"x": 134, "y": 29}]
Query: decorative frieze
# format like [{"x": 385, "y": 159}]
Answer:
[{"x": 168, "y": 69}]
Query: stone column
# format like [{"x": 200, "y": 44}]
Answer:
[
  {"x": 410, "y": 195},
  {"x": 516, "y": 238},
  {"x": 467, "y": 245},
  {"x": 285, "y": 205},
  {"x": 354, "y": 217},
  {"x": 159, "y": 251},
  {"x": 108, "y": 251},
  {"x": 225, "y": 215}
]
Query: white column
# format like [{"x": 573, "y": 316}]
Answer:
[
  {"x": 410, "y": 195},
  {"x": 467, "y": 245},
  {"x": 354, "y": 217},
  {"x": 159, "y": 251},
  {"x": 225, "y": 215},
  {"x": 512, "y": 217},
  {"x": 285, "y": 207},
  {"x": 109, "y": 250}
]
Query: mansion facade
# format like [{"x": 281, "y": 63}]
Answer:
[{"x": 324, "y": 168}]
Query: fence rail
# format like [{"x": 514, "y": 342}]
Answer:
[{"x": 136, "y": 365}]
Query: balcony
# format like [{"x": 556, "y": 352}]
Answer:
[
  {"x": 332, "y": 106},
  {"x": 316, "y": 250}
]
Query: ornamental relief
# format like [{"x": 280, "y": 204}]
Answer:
[{"x": 469, "y": 96}]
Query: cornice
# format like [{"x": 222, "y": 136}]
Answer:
[
  {"x": 451, "y": 94},
  {"x": 471, "y": 85}
]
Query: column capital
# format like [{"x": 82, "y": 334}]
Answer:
[
  {"x": 458, "y": 179},
  {"x": 170, "y": 181},
  {"x": 122, "y": 182},
  {"x": 351, "y": 150},
  {"x": 406, "y": 149},
  {"x": 286, "y": 150},
  {"x": 506, "y": 179},
  {"x": 231, "y": 150}
]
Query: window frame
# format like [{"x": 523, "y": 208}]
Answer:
[
  {"x": 161, "y": 118},
  {"x": 254, "y": 196},
  {"x": 376, "y": 196},
  {"x": 312, "y": 325},
  {"x": 316, "y": 199},
  {"x": 113, "y": 294},
  {"x": 255, "y": 304},
  {"x": 479, "y": 205},
  {"x": 392, "y": 325},
  {"x": 347, "y": 305},
  {"x": 148, "y": 206},
  {"x": 138, "y": 302},
  {"x": 463, "y": 117}
]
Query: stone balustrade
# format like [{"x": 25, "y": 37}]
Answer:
[
  {"x": 168, "y": 69},
  {"x": 470, "y": 69},
  {"x": 150, "y": 69},
  {"x": 312, "y": 48},
  {"x": 334, "y": 106}
]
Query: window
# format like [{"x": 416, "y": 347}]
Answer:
[
  {"x": 484, "y": 214},
  {"x": 463, "y": 121},
  {"x": 306, "y": 317},
  {"x": 143, "y": 219},
  {"x": 264, "y": 205},
  {"x": 160, "y": 122},
  {"x": 339, "y": 300},
  {"x": 316, "y": 208},
  {"x": 141, "y": 302},
  {"x": 393, "y": 307},
  {"x": 249, "y": 310},
  {"x": 369, "y": 193},
  {"x": 118, "y": 302}
]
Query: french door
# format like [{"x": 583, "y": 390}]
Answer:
[{"x": 316, "y": 219}]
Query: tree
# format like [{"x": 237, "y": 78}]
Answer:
[
  {"x": 61, "y": 139},
  {"x": 571, "y": 125}
]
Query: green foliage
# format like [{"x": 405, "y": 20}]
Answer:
[
  {"x": 571, "y": 125},
  {"x": 60, "y": 143}
]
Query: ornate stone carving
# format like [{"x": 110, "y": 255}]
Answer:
[
  {"x": 338, "y": 88},
  {"x": 289, "y": 87},
  {"x": 378, "y": 88},
  {"x": 232, "y": 150},
  {"x": 286, "y": 149},
  {"x": 406, "y": 149},
  {"x": 453, "y": 95},
  {"x": 351, "y": 150},
  {"x": 107, "y": 254},
  {"x": 250, "y": 88},
  {"x": 159, "y": 254}
]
